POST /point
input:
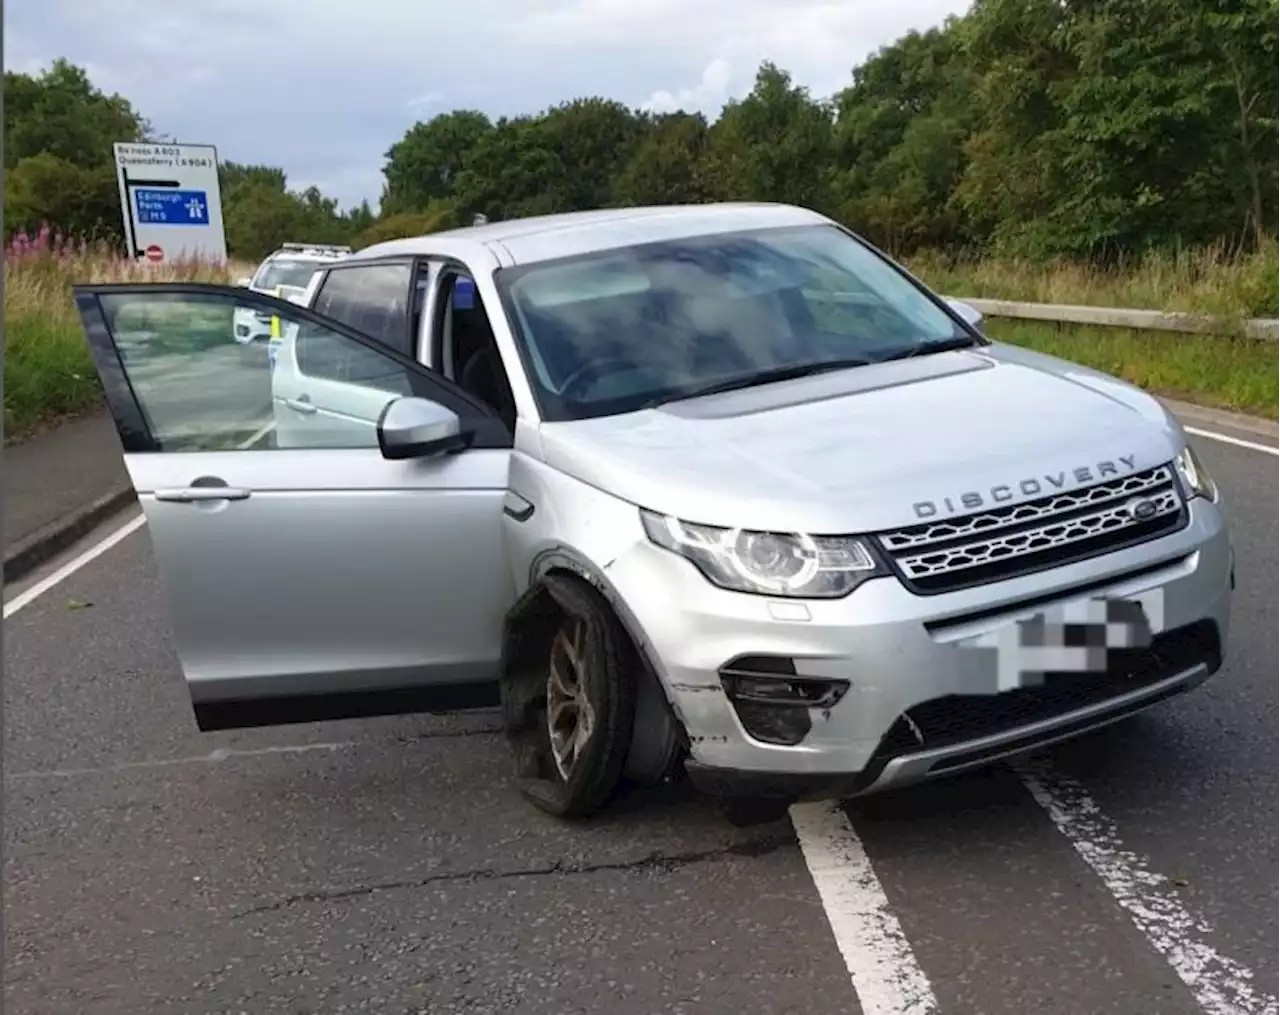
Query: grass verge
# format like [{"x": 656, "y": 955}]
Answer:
[
  {"x": 1225, "y": 373},
  {"x": 48, "y": 374}
]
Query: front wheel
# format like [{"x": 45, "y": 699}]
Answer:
[{"x": 586, "y": 714}]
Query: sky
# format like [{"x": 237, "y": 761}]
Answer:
[{"x": 322, "y": 88}]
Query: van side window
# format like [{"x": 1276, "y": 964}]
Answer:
[{"x": 373, "y": 299}]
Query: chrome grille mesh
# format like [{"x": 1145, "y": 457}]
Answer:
[{"x": 1002, "y": 542}]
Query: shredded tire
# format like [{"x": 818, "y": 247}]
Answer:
[{"x": 608, "y": 676}]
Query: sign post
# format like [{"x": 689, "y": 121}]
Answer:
[{"x": 171, "y": 203}]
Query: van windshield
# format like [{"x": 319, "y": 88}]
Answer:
[
  {"x": 289, "y": 271},
  {"x": 624, "y": 329}
]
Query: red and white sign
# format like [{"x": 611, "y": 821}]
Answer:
[{"x": 154, "y": 253}]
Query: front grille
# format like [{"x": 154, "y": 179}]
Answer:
[
  {"x": 957, "y": 718},
  {"x": 1000, "y": 543}
]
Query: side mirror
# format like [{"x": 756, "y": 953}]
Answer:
[
  {"x": 418, "y": 428},
  {"x": 971, "y": 314},
  {"x": 243, "y": 282}
]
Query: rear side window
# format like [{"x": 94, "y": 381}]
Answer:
[
  {"x": 373, "y": 299},
  {"x": 329, "y": 356}
]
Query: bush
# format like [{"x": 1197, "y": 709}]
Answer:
[{"x": 433, "y": 219}]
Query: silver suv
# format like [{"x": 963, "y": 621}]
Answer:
[{"x": 719, "y": 490}]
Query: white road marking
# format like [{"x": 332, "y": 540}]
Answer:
[
  {"x": 29, "y": 596},
  {"x": 1221, "y": 985},
  {"x": 1214, "y": 436},
  {"x": 885, "y": 975},
  {"x": 262, "y": 431},
  {"x": 98, "y": 549},
  {"x": 215, "y": 756}
]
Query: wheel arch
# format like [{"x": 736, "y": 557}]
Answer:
[{"x": 659, "y": 740}]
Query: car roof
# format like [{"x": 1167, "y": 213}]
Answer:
[{"x": 548, "y": 237}]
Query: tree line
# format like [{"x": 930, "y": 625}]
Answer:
[{"x": 1042, "y": 128}]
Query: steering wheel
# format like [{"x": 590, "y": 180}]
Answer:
[{"x": 593, "y": 370}]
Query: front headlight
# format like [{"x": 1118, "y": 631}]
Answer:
[
  {"x": 1195, "y": 479},
  {"x": 788, "y": 564}
]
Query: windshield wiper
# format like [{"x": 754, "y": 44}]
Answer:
[
  {"x": 927, "y": 348},
  {"x": 789, "y": 373}
]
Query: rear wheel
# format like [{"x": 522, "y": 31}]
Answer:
[{"x": 578, "y": 744}]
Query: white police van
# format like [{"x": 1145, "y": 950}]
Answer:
[{"x": 286, "y": 274}]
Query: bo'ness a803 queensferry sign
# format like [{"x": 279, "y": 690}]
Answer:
[{"x": 171, "y": 202}]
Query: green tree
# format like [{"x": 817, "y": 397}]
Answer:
[
  {"x": 667, "y": 165},
  {"x": 441, "y": 215},
  {"x": 360, "y": 218},
  {"x": 1013, "y": 178},
  {"x": 774, "y": 145},
  {"x": 513, "y": 172},
  {"x": 60, "y": 170},
  {"x": 232, "y": 175},
  {"x": 260, "y": 213},
  {"x": 565, "y": 159},
  {"x": 899, "y": 141},
  {"x": 423, "y": 165},
  {"x": 47, "y": 189},
  {"x": 61, "y": 113},
  {"x": 594, "y": 138},
  {"x": 1246, "y": 36}
]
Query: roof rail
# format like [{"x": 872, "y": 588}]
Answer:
[{"x": 335, "y": 248}]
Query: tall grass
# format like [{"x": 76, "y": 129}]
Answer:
[
  {"x": 48, "y": 374},
  {"x": 1214, "y": 281}
]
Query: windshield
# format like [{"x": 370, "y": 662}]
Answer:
[
  {"x": 624, "y": 329},
  {"x": 291, "y": 271}
]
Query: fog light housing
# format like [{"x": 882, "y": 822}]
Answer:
[{"x": 772, "y": 702}]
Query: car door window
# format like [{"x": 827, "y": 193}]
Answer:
[
  {"x": 374, "y": 299},
  {"x": 469, "y": 349},
  {"x": 199, "y": 390}
]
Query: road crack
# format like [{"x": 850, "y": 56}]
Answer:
[{"x": 658, "y": 862}]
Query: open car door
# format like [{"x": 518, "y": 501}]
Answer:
[{"x": 358, "y": 573}]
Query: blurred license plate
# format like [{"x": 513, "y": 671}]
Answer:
[{"x": 1079, "y": 636}]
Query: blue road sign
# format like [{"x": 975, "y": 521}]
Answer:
[{"x": 172, "y": 207}]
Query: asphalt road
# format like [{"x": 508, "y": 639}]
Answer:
[{"x": 389, "y": 866}]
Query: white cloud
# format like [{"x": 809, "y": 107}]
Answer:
[
  {"x": 707, "y": 96},
  {"x": 323, "y": 89},
  {"x": 426, "y": 100}
]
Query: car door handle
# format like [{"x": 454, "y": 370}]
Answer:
[
  {"x": 301, "y": 404},
  {"x": 198, "y": 494}
]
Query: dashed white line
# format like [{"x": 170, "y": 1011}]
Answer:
[
  {"x": 1220, "y": 984},
  {"x": 1225, "y": 439},
  {"x": 884, "y": 971},
  {"x": 30, "y": 595}
]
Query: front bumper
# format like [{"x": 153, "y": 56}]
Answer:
[
  {"x": 903, "y": 653},
  {"x": 249, "y": 327}
]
